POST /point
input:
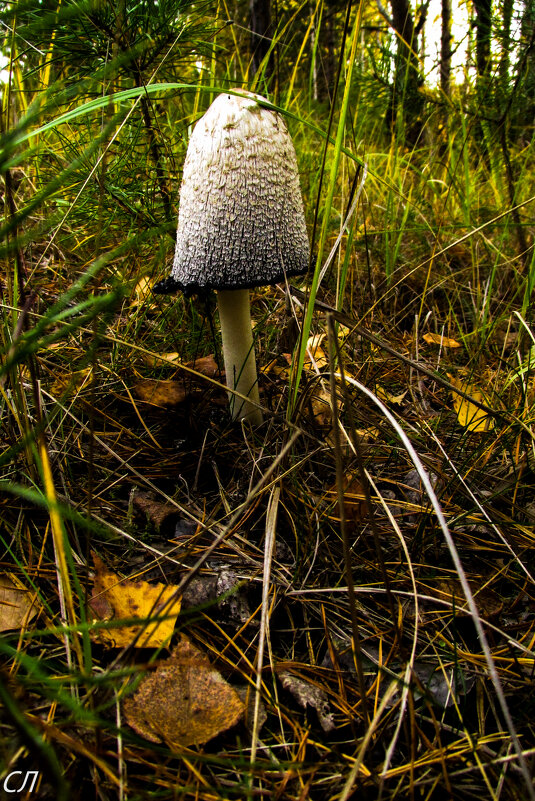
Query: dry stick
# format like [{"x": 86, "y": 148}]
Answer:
[
  {"x": 357, "y": 651},
  {"x": 349, "y": 322}
]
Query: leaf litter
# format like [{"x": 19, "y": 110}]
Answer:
[
  {"x": 116, "y": 599},
  {"x": 184, "y": 702}
]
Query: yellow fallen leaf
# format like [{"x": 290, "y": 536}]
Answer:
[
  {"x": 468, "y": 414},
  {"x": 385, "y": 395},
  {"x": 161, "y": 393},
  {"x": 118, "y": 599},
  {"x": 438, "y": 339},
  {"x": 184, "y": 702},
  {"x": 314, "y": 353},
  {"x": 157, "y": 361},
  {"x": 17, "y": 604},
  {"x": 143, "y": 289},
  {"x": 72, "y": 383},
  {"x": 367, "y": 434}
]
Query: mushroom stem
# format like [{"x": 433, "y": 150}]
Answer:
[{"x": 238, "y": 353}]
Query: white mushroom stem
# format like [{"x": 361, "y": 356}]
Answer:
[{"x": 238, "y": 353}]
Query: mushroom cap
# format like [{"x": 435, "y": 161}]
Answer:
[{"x": 241, "y": 221}]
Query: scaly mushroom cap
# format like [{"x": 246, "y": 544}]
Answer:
[{"x": 241, "y": 221}]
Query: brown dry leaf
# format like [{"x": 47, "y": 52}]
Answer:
[
  {"x": 156, "y": 511},
  {"x": 438, "y": 339},
  {"x": 488, "y": 601},
  {"x": 354, "y": 501},
  {"x": 368, "y": 434},
  {"x": 184, "y": 702},
  {"x": 161, "y": 393},
  {"x": 17, "y": 604},
  {"x": 274, "y": 367},
  {"x": 468, "y": 414},
  {"x": 206, "y": 365},
  {"x": 118, "y": 599}
]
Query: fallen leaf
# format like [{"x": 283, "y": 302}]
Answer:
[
  {"x": 307, "y": 694},
  {"x": 488, "y": 601},
  {"x": 17, "y": 604},
  {"x": 383, "y": 394},
  {"x": 71, "y": 383},
  {"x": 315, "y": 355},
  {"x": 322, "y": 411},
  {"x": 444, "y": 686},
  {"x": 142, "y": 290},
  {"x": 156, "y": 511},
  {"x": 280, "y": 371},
  {"x": 367, "y": 434},
  {"x": 118, "y": 599},
  {"x": 161, "y": 393},
  {"x": 439, "y": 339},
  {"x": 206, "y": 365},
  {"x": 275, "y": 368},
  {"x": 232, "y": 592},
  {"x": 468, "y": 414},
  {"x": 354, "y": 500},
  {"x": 153, "y": 360},
  {"x": 184, "y": 702}
]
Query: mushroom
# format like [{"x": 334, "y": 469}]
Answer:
[{"x": 241, "y": 224}]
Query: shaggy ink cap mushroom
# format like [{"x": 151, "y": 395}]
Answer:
[
  {"x": 241, "y": 224},
  {"x": 241, "y": 221}
]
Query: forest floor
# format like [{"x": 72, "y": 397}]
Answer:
[{"x": 343, "y": 600}]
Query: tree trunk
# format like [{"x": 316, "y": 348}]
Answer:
[
  {"x": 505, "y": 58},
  {"x": 261, "y": 33},
  {"x": 407, "y": 79},
  {"x": 445, "y": 50},
  {"x": 483, "y": 9},
  {"x": 525, "y": 102}
]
